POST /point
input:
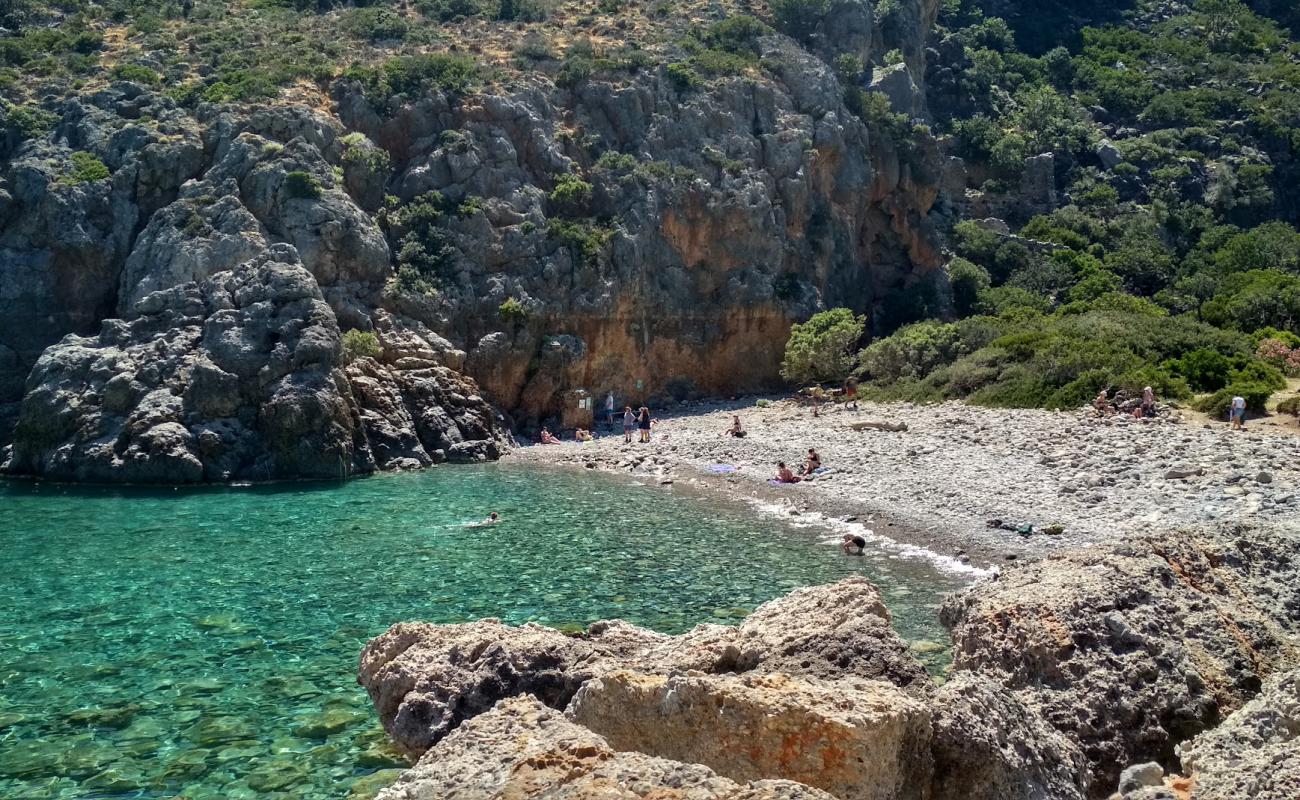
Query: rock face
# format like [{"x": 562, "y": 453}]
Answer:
[
  {"x": 239, "y": 376},
  {"x": 427, "y": 679},
  {"x": 1129, "y": 652},
  {"x": 988, "y": 743},
  {"x": 522, "y": 749},
  {"x": 1255, "y": 753},
  {"x": 710, "y": 218},
  {"x": 852, "y": 738}
]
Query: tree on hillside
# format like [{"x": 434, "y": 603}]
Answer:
[{"x": 824, "y": 348}]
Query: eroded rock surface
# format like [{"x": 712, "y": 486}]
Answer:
[
  {"x": 853, "y": 738},
  {"x": 522, "y": 749},
  {"x": 427, "y": 679},
  {"x": 1255, "y": 753},
  {"x": 238, "y": 376},
  {"x": 1130, "y": 651}
]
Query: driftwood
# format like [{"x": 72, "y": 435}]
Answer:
[{"x": 892, "y": 427}]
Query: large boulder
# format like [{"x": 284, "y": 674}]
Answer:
[
  {"x": 1255, "y": 753},
  {"x": 853, "y": 738},
  {"x": 426, "y": 679},
  {"x": 522, "y": 749},
  {"x": 1129, "y": 651},
  {"x": 989, "y": 745}
]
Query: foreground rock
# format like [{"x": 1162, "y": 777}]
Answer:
[
  {"x": 522, "y": 749},
  {"x": 988, "y": 743},
  {"x": 1255, "y": 753},
  {"x": 1131, "y": 651},
  {"x": 852, "y": 738},
  {"x": 426, "y": 679},
  {"x": 239, "y": 376}
]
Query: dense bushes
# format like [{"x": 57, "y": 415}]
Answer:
[
  {"x": 824, "y": 347},
  {"x": 408, "y": 76}
]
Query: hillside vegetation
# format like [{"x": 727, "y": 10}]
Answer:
[{"x": 1173, "y": 259}]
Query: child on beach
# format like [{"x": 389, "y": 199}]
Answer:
[
  {"x": 629, "y": 422},
  {"x": 643, "y": 423}
]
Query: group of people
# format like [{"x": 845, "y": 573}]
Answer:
[
  {"x": 811, "y": 466},
  {"x": 1105, "y": 405}
]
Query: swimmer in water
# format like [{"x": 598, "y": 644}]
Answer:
[
  {"x": 854, "y": 545},
  {"x": 492, "y": 519}
]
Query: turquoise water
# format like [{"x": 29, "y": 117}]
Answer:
[{"x": 203, "y": 643}]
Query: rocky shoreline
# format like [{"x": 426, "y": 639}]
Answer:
[
  {"x": 1165, "y": 667},
  {"x": 955, "y": 468}
]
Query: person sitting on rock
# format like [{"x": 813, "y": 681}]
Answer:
[
  {"x": 812, "y": 463},
  {"x": 784, "y": 475},
  {"x": 1101, "y": 403},
  {"x": 854, "y": 545},
  {"x": 583, "y": 435},
  {"x": 548, "y": 437},
  {"x": 734, "y": 429},
  {"x": 1148, "y": 408}
]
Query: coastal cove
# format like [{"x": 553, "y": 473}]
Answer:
[{"x": 204, "y": 641}]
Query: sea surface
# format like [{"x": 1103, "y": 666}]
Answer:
[{"x": 203, "y": 643}]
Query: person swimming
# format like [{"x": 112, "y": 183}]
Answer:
[
  {"x": 492, "y": 519},
  {"x": 854, "y": 545}
]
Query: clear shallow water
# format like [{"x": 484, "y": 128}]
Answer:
[{"x": 203, "y": 643}]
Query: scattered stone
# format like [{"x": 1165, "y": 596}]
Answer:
[{"x": 1139, "y": 776}]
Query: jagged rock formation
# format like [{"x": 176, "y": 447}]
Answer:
[
  {"x": 738, "y": 700},
  {"x": 427, "y": 679},
  {"x": 1129, "y": 652},
  {"x": 1254, "y": 752},
  {"x": 240, "y": 376},
  {"x": 715, "y": 217}
]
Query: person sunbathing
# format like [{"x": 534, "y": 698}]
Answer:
[
  {"x": 784, "y": 475},
  {"x": 735, "y": 429},
  {"x": 813, "y": 463},
  {"x": 548, "y": 437},
  {"x": 583, "y": 435}
]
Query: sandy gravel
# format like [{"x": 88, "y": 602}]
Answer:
[{"x": 956, "y": 467}]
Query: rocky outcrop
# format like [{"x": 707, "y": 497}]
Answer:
[
  {"x": 989, "y": 743},
  {"x": 522, "y": 749},
  {"x": 239, "y": 376},
  {"x": 1255, "y": 753},
  {"x": 1131, "y": 651},
  {"x": 426, "y": 679},
  {"x": 853, "y": 738}
]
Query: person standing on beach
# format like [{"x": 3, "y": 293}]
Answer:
[
  {"x": 629, "y": 422},
  {"x": 643, "y": 423},
  {"x": 1237, "y": 411},
  {"x": 609, "y": 407}
]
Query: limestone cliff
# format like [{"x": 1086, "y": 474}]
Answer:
[{"x": 630, "y": 230}]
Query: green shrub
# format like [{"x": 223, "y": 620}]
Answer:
[
  {"x": 1291, "y": 406},
  {"x": 824, "y": 348},
  {"x": 571, "y": 193},
  {"x": 31, "y": 121},
  {"x": 408, "y": 76},
  {"x": 736, "y": 34},
  {"x": 584, "y": 239},
  {"x": 85, "y": 168},
  {"x": 1217, "y": 405},
  {"x": 302, "y": 185},
  {"x": 360, "y": 344},
  {"x": 799, "y": 18},
  {"x": 683, "y": 76},
  {"x": 513, "y": 311},
  {"x": 376, "y": 24},
  {"x": 967, "y": 280},
  {"x": 136, "y": 73},
  {"x": 1205, "y": 370}
]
